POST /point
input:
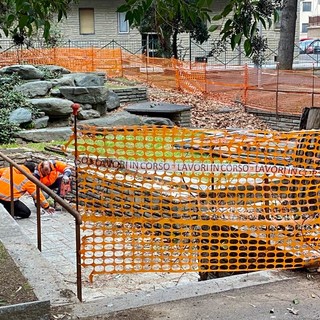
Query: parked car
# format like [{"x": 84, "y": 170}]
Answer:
[{"x": 310, "y": 46}]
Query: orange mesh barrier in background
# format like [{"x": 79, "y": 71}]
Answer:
[
  {"x": 174, "y": 199},
  {"x": 271, "y": 90}
]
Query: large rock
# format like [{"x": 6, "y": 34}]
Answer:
[
  {"x": 44, "y": 135},
  {"x": 88, "y": 80},
  {"x": 113, "y": 101},
  {"x": 35, "y": 88},
  {"x": 118, "y": 119},
  {"x": 91, "y": 95},
  {"x": 20, "y": 115},
  {"x": 158, "y": 121},
  {"x": 53, "y": 68},
  {"x": 88, "y": 114},
  {"x": 67, "y": 80},
  {"x": 25, "y": 71},
  {"x": 53, "y": 107}
]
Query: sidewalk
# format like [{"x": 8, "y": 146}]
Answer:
[{"x": 58, "y": 248}]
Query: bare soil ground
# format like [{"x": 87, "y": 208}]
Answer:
[{"x": 14, "y": 288}]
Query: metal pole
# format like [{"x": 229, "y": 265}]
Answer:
[
  {"x": 313, "y": 82},
  {"x": 277, "y": 90},
  {"x": 11, "y": 192},
  {"x": 190, "y": 53},
  {"x": 38, "y": 219},
  {"x": 78, "y": 261},
  {"x": 75, "y": 109}
]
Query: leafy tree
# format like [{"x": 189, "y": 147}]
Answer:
[
  {"x": 287, "y": 34},
  {"x": 242, "y": 24},
  {"x": 168, "y": 18},
  {"x": 20, "y": 18}
]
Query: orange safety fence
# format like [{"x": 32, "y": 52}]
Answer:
[
  {"x": 159, "y": 199},
  {"x": 74, "y": 59},
  {"x": 270, "y": 90}
]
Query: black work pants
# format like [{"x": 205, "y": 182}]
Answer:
[
  {"x": 20, "y": 209},
  {"x": 56, "y": 185}
]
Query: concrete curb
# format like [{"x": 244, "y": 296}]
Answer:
[
  {"x": 47, "y": 284},
  {"x": 142, "y": 299},
  {"x": 35, "y": 310}
]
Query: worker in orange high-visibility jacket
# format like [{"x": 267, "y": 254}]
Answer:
[
  {"x": 52, "y": 173},
  {"x": 21, "y": 185}
]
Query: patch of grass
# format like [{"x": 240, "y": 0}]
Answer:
[{"x": 37, "y": 146}]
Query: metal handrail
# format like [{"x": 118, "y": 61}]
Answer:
[{"x": 58, "y": 199}]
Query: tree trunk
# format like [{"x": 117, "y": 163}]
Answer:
[
  {"x": 313, "y": 121},
  {"x": 175, "y": 44},
  {"x": 287, "y": 34}
]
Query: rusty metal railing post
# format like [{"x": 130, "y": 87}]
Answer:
[
  {"x": 39, "y": 239},
  {"x": 277, "y": 91},
  {"x": 75, "y": 109},
  {"x": 11, "y": 191}
]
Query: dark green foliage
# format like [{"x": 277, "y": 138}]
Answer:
[
  {"x": 21, "y": 18},
  {"x": 48, "y": 74},
  {"x": 244, "y": 20},
  {"x": 168, "y": 19},
  {"x": 9, "y": 101}
]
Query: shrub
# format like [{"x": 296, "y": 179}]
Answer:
[{"x": 9, "y": 101}]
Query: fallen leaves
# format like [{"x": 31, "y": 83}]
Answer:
[{"x": 208, "y": 112}]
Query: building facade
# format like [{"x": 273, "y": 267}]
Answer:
[{"x": 309, "y": 26}]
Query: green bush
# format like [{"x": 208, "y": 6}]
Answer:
[{"x": 9, "y": 101}]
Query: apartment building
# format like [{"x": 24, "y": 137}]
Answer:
[{"x": 309, "y": 19}]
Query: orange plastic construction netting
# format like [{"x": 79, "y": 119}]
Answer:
[{"x": 177, "y": 200}]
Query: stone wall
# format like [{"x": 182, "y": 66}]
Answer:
[
  {"x": 281, "y": 122},
  {"x": 131, "y": 94}
]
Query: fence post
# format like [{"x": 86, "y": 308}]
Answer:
[
  {"x": 277, "y": 91},
  {"x": 245, "y": 86},
  {"x": 313, "y": 82},
  {"x": 75, "y": 109},
  {"x": 92, "y": 59}
]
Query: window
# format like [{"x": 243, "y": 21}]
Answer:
[
  {"x": 123, "y": 25},
  {"x": 306, "y": 6},
  {"x": 304, "y": 27},
  {"x": 86, "y": 21},
  {"x": 277, "y": 25}
]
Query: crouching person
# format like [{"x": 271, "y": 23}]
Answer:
[
  {"x": 52, "y": 173},
  {"x": 21, "y": 185}
]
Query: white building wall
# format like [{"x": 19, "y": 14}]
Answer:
[
  {"x": 105, "y": 22},
  {"x": 304, "y": 15}
]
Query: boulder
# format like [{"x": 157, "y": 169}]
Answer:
[
  {"x": 44, "y": 135},
  {"x": 20, "y": 115},
  {"x": 53, "y": 107},
  {"x": 113, "y": 101},
  {"x": 91, "y": 95},
  {"x": 158, "y": 121},
  {"x": 88, "y": 80},
  {"x": 66, "y": 80},
  {"x": 25, "y": 71},
  {"x": 40, "y": 122},
  {"x": 118, "y": 119},
  {"x": 53, "y": 68},
  {"x": 88, "y": 114},
  {"x": 34, "y": 89}
]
